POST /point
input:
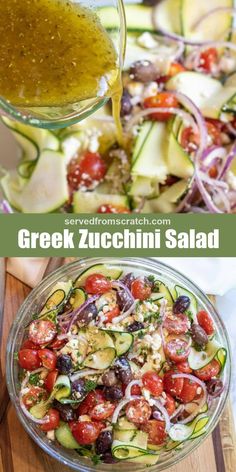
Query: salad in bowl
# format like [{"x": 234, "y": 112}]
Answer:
[
  {"x": 118, "y": 362},
  {"x": 178, "y": 117}
]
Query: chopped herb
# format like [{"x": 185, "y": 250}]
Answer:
[
  {"x": 96, "y": 459},
  {"x": 90, "y": 385},
  {"x": 189, "y": 314},
  {"x": 141, "y": 334},
  {"x": 180, "y": 351},
  {"x": 34, "y": 379},
  {"x": 34, "y": 316},
  {"x": 15, "y": 356}
]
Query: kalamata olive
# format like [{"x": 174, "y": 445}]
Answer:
[
  {"x": 199, "y": 335},
  {"x": 113, "y": 393},
  {"x": 123, "y": 370},
  {"x": 87, "y": 315},
  {"x": 64, "y": 364},
  {"x": 124, "y": 300},
  {"x": 78, "y": 386},
  {"x": 135, "y": 326},
  {"x": 181, "y": 304},
  {"x": 103, "y": 442},
  {"x": 108, "y": 458},
  {"x": 215, "y": 387},
  {"x": 126, "y": 105},
  {"x": 66, "y": 411},
  {"x": 128, "y": 279},
  {"x": 143, "y": 71},
  {"x": 151, "y": 3},
  {"x": 149, "y": 282},
  {"x": 109, "y": 379}
]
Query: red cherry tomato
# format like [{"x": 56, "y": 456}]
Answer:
[
  {"x": 172, "y": 386},
  {"x": 206, "y": 322},
  {"x": 189, "y": 139},
  {"x": 42, "y": 331},
  {"x": 170, "y": 404},
  {"x": 176, "y": 68},
  {"x": 213, "y": 172},
  {"x": 57, "y": 344},
  {"x": 138, "y": 411},
  {"x": 29, "y": 359},
  {"x": 88, "y": 168},
  {"x": 161, "y": 100},
  {"x": 208, "y": 59},
  {"x": 102, "y": 411},
  {"x": 111, "y": 314},
  {"x": 33, "y": 396},
  {"x": 106, "y": 208},
  {"x": 140, "y": 289},
  {"x": 177, "y": 350},
  {"x": 177, "y": 324},
  {"x": 97, "y": 283},
  {"x": 210, "y": 370},
  {"x": 189, "y": 391},
  {"x": 156, "y": 431},
  {"x": 153, "y": 383},
  {"x": 85, "y": 432},
  {"x": 53, "y": 420},
  {"x": 184, "y": 367},
  {"x": 135, "y": 389},
  {"x": 50, "y": 380},
  {"x": 48, "y": 358},
  {"x": 214, "y": 132},
  {"x": 27, "y": 344},
  {"x": 96, "y": 397}
]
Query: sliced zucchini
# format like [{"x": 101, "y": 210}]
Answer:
[
  {"x": 178, "y": 160},
  {"x": 98, "y": 339},
  {"x": 125, "y": 435},
  {"x": 167, "y": 16},
  {"x": 139, "y": 440},
  {"x": 78, "y": 297},
  {"x": 58, "y": 297},
  {"x": 221, "y": 357},
  {"x": 89, "y": 202},
  {"x": 223, "y": 101},
  {"x": 42, "y": 138},
  {"x": 100, "y": 359},
  {"x": 62, "y": 387},
  {"x": 124, "y": 425},
  {"x": 193, "y": 307},
  {"x": 138, "y": 18},
  {"x": 144, "y": 187},
  {"x": 134, "y": 367},
  {"x": 182, "y": 432},
  {"x": 199, "y": 359},
  {"x": 168, "y": 200},
  {"x": 108, "y": 271},
  {"x": 65, "y": 437},
  {"x": 164, "y": 292},
  {"x": 143, "y": 133},
  {"x": 123, "y": 342}
]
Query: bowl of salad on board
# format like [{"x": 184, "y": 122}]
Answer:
[
  {"x": 178, "y": 148},
  {"x": 118, "y": 362}
]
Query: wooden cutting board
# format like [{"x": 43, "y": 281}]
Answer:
[{"x": 18, "y": 453}]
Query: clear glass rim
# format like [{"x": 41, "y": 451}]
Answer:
[
  {"x": 57, "y": 123},
  {"x": 145, "y": 263}
]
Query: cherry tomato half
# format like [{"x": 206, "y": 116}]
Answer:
[
  {"x": 106, "y": 208},
  {"x": 27, "y": 344},
  {"x": 57, "y": 343},
  {"x": 189, "y": 139},
  {"x": 85, "y": 432},
  {"x": 177, "y": 324},
  {"x": 140, "y": 289},
  {"x": 184, "y": 367},
  {"x": 138, "y": 411},
  {"x": 50, "y": 380},
  {"x": 33, "y": 396},
  {"x": 48, "y": 358},
  {"x": 208, "y": 59},
  {"x": 161, "y": 100},
  {"x": 189, "y": 391},
  {"x": 135, "y": 389},
  {"x": 53, "y": 420},
  {"x": 206, "y": 322},
  {"x": 156, "y": 431},
  {"x": 88, "y": 168},
  {"x": 177, "y": 350},
  {"x": 102, "y": 411},
  {"x": 214, "y": 133},
  {"x": 171, "y": 385},
  {"x": 153, "y": 383},
  {"x": 97, "y": 283},
  {"x": 42, "y": 331},
  {"x": 210, "y": 370},
  {"x": 169, "y": 404},
  {"x": 29, "y": 359},
  {"x": 96, "y": 397},
  {"x": 111, "y": 314},
  {"x": 176, "y": 68}
]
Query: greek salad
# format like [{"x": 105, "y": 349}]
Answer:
[
  {"x": 120, "y": 367},
  {"x": 178, "y": 116}
]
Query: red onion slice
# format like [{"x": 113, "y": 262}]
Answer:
[
  {"x": 31, "y": 417},
  {"x": 76, "y": 313},
  {"x": 121, "y": 405},
  {"x": 6, "y": 207},
  {"x": 174, "y": 111},
  {"x": 164, "y": 413},
  {"x": 231, "y": 156},
  {"x": 203, "y": 400},
  {"x": 130, "y": 385},
  {"x": 213, "y": 12}
]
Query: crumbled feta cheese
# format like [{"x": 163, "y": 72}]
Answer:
[
  {"x": 153, "y": 341},
  {"x": 150, "y": 90},
  {"x": 146, "y": 394},
  {"x": 231, "y": 180},
  {"x": 147, "y": 40},
  {"x": 135, "y": 89},
  {"x": 84, "y": 418},
  {"x": 93, "y": 144},
  {"x": 227, "y": 64},
  {"x": 199, "y": 390},
  {"x": 51, "y": 435}
]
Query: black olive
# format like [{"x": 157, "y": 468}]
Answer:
[
  {"x": 66, "y": 411},
  {"x": 143, "y": 71},
  {"x": 126, "y": 105},
  {"x": 215, "y": 387},
  {"x": 124, "y": 300},
  {"x": 64, "y": 364},
  {"x": 123, "y": 370},
  {"x": 181, "y": 304},
  {"x": 113, "y": 393},
  {"x": 78, "y": 386},
  {"x": 87, "y": 315},
  {"x": 108, "y": 458},
  {"x": 135, "y": 326},
  {"x": 128, "y": 279},
  {"x": 151, "y": 3},
  {"x": 199, "y": 335},
  {"x": 109, "y": 379},
  {"x": 103, "y": 442}
]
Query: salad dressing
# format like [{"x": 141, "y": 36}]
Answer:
[{"x": 54, "y": 53}]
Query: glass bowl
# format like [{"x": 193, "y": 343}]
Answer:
[
  {"x": 35, "y": 300},
  {"x": 53, "y": 117}
]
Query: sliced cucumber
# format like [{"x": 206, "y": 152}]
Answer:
[
  {"x": 108, "y": 271},
  {"x": 151, "y": 159},
  {"x": 138, "y": 18},
  {"x": 65, "y": 437},
  {"x": 89, "y": 202},
  {"x": 100, "y": 359},
  {"x": 199, "y": 359},
  {"x": 78, "y": 297},
  {"x": 178, "y": 161},
  {"x": 62, "y": 387},
  {"x": 98, "y": 339},
  {"x": 123, "y": 342},
  {"x": 168, "y": 200},
  {"x": 193, "y": 307}
]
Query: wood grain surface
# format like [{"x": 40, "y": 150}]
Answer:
[{"x": 18, "y": 453}]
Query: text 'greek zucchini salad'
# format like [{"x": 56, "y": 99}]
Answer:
[
  {"x": 179, "y": 126},
  {"x": 121, "y": 367}
]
